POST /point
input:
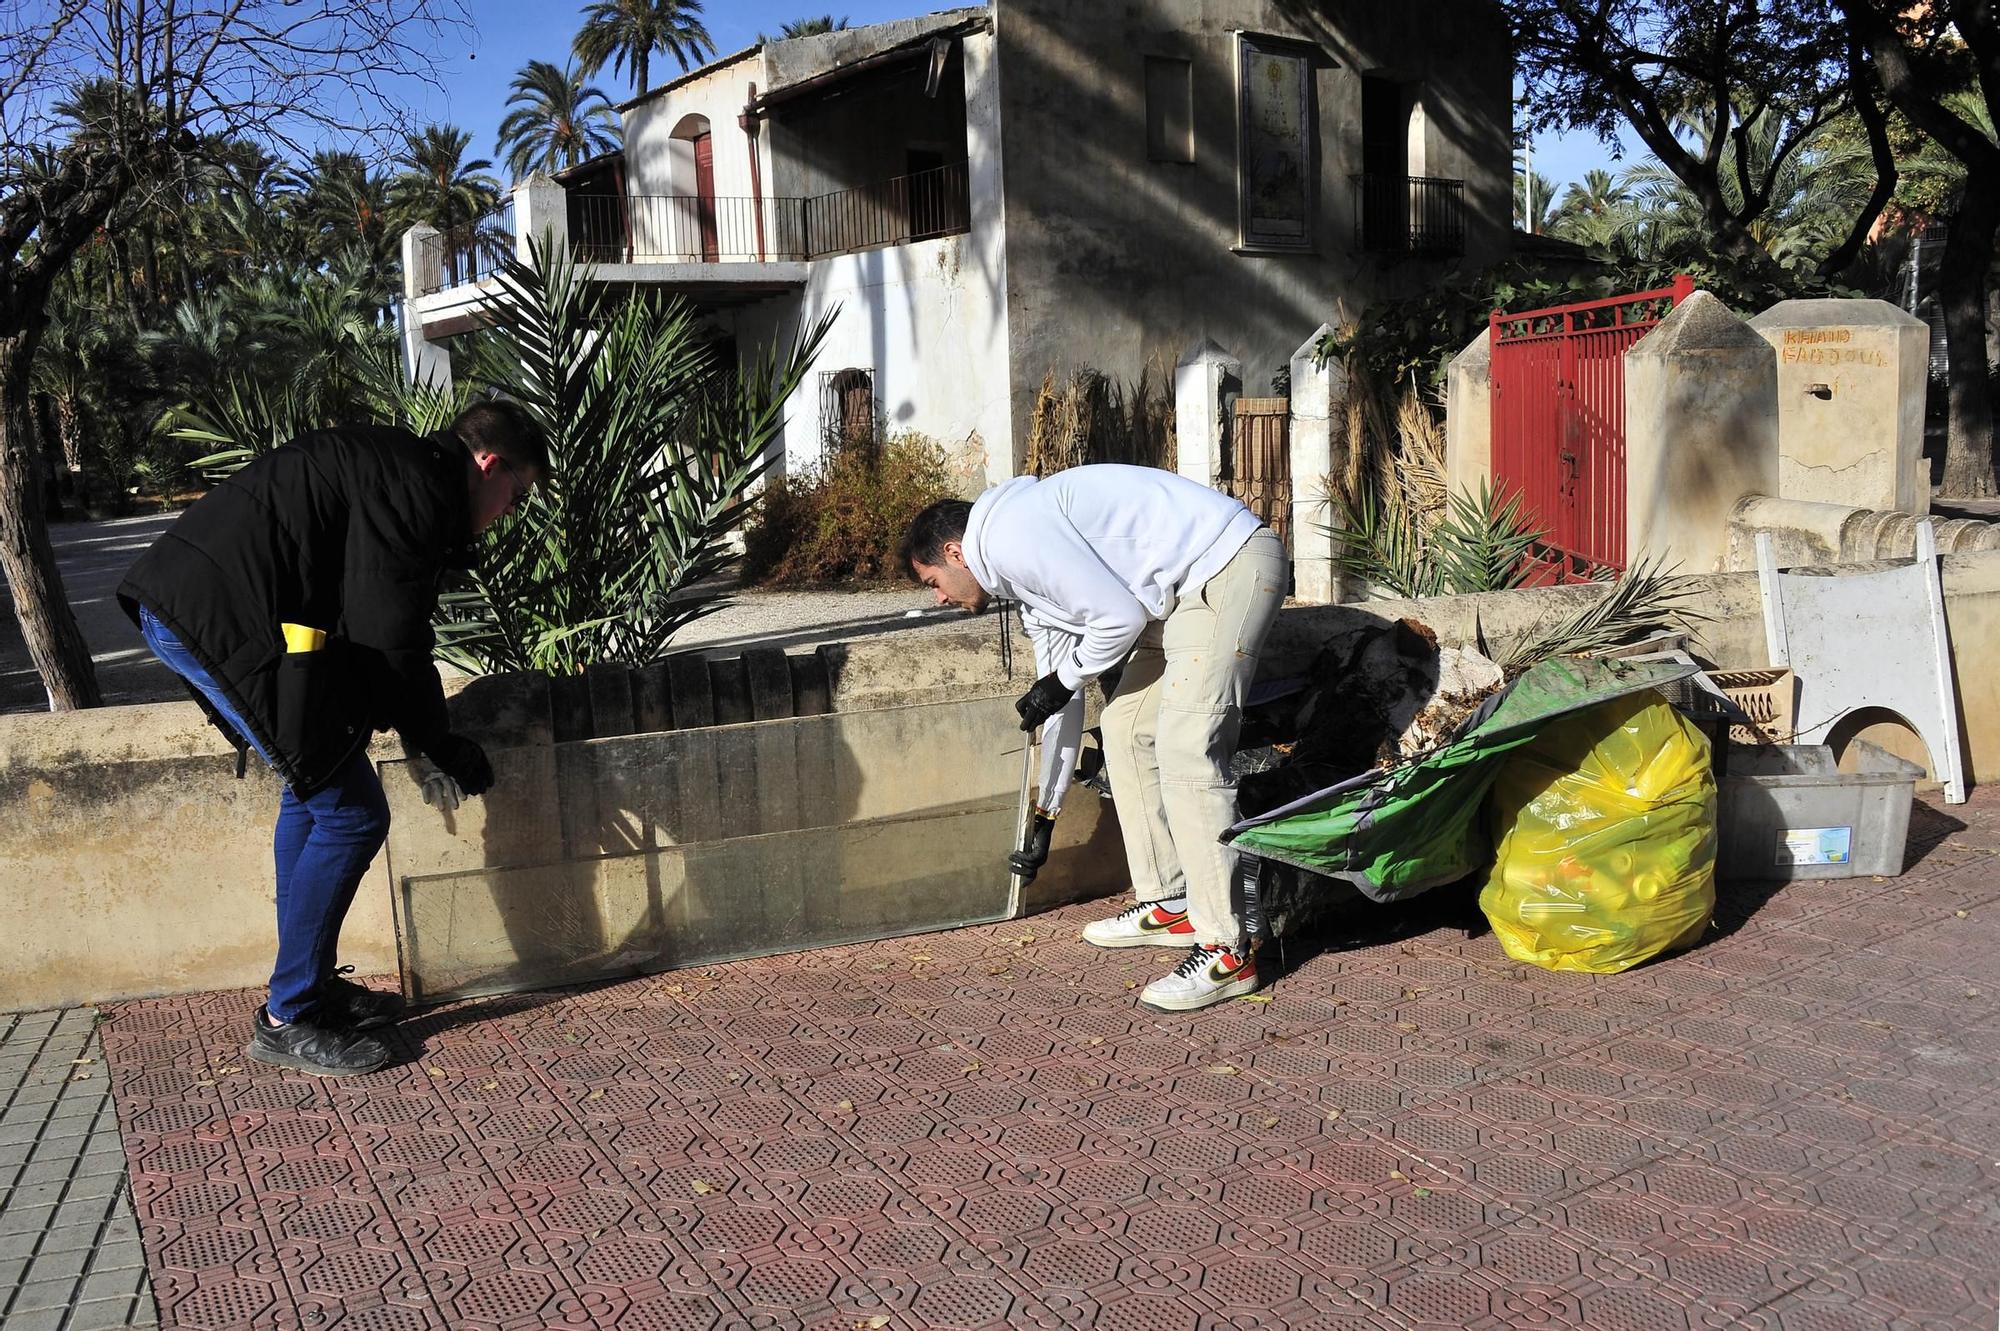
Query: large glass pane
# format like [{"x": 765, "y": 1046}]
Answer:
[{"x": 620, "y": 856}]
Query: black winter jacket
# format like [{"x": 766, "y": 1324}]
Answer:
[{"x": 345, "y": 530}]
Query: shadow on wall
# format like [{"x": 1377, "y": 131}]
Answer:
[
  {"x": 1112, "y": 257},
  {"x": 723, "y": 837}
]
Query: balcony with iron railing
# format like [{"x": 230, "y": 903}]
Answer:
[
  {"x": 467, "y": 253},
  {"x": 693, "y": 229},
  {"x": 1422, "y": 215}
]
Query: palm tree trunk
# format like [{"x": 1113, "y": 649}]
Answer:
[
  {"x": 47, "y": 624},
  {"x": 641, "y": 66}
]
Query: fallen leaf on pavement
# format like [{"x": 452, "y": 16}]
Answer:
[
  {"x": 1961, "y": 914},
  {"x": 1095, "y": 1040},
  {"x": 435, "y": 1070},
  {"x": 1256, "y": 998},
  {"x": 1332, "y": 1114},
  {"x": 1406, "y": 1026},
  {"x": 871, "y": 1324},
  {"x": 1222, "y": 1069},
  {"x": 490, "y": 1086},
  {"x": 702, "y": 1187},
  {"x": 597, "y": 1094},
  {"x": 1271, "y": 1122},
  {"x": 1397, "y": 1173},
  {"x": 845, "y": 1106},
  {"x": 1421, "y": 1192},
  {"x": 921, "y": 956}
]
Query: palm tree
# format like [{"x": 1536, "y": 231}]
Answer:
[
  {"x": 813, "y": 27},
  {"x": 617, "y": 32},
  {"x": 1592, "y": 211},
  {"x": 557, "y": 120},
  {"x": 1544, "y": 200},
  {"x": 440, "y": 187}
]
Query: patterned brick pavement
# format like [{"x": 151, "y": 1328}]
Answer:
[
  {"x": 69, "y": 1247},
  {"x": 1795, "y": 1125}
]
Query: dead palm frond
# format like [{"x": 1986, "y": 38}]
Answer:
[{"x": 1645, "y": 599}]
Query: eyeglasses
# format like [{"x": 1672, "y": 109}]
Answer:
[{"x": 520, "y": 490}]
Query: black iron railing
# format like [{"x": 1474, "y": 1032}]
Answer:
[
  {"x": 682, "y": 228},
  {"x": 922, "y": 206},
  {"x": 469, "y": 253},
  {"x": 686, "y": 228},
  {"x": 1409, "y": 214}
]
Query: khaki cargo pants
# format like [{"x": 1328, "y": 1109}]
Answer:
[{"x": 1170, "y": 730}]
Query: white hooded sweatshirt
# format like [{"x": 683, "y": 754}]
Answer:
[{"x": 1093, "y": 555}]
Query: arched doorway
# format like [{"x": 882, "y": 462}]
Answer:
[{"x": 692, "y": 173}]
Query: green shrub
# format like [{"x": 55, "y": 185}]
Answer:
[{"x": 842, "y": 520}]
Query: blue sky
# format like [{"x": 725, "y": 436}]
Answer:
[{"x": 506, "y": 34}]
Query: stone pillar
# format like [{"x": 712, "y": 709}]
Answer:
[
  {"x": 423, "y": 258},
  {"x": 1851, "y": 376},
  {"x": 1206, "y": 381},
  {"x": 1319, "y": 417},
  {"x": 424, "y": 361},
  {"x": 1701, "y": 432},
  {"x": 541, "y": 212},
  {"x": 1468, "y": 417}
]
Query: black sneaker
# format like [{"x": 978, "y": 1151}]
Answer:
[
  {"x": 320, "y": 1050},
  {"x": 343, "y": 1005}
]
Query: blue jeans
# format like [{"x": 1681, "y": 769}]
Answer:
[{"x": 323, "y": 844}]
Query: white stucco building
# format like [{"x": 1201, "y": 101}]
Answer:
[{"x": 991, "y": 193}]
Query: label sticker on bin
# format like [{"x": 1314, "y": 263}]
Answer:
[{"x": 1815, "y": 845}]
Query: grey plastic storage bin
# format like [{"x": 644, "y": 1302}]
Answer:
[{"x": 1788, "y": 811}]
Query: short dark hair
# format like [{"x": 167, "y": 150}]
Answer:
[
  {"x": 929, "y": 530},
  {"x": 505, "y": 429}
]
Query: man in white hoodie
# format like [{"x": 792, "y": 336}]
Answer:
[{"x": 1178, "y": 583}]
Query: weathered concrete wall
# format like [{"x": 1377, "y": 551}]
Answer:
[
  {"x": 927, "y": 319},
  {"x": 131, "y": 863},
  {"x": 135, "y": 864},
  {"x": 1701, "y": 432},
  {"x": 1850, "y": 395},
  {"x": 1114, "y": 259}
]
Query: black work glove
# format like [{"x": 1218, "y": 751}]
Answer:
[
  {"x": 1049, "y": 696},
  {"x": 1028, "y": 861},
  {"x": 463, "y": 761}
]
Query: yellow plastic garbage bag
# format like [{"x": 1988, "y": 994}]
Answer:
[{"x": 1605, "y": 825}]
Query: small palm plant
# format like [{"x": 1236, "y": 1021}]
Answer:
[
  {"x": 652, "y": 444},
  {"x": 1480, "y": 545}
]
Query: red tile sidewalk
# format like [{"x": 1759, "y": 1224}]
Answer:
[{"x": 1795, "y": 1125}]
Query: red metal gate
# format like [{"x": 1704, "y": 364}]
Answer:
[{"x": 1559, "y": 422}]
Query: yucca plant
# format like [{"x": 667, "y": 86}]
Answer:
[
  {"x": 652, "y": 444},
  {"x": 1479, "y": 545}
]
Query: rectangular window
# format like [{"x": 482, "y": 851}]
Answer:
[
  {"x": 1276, "y": 157},
  {"x": 1169, "y": 109}
]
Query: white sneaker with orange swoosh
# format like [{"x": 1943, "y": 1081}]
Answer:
[
  {"x": 1148, "y": 924},
  {"x": 1209, "y": 973}
]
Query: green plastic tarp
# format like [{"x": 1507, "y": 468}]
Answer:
[{"x": 1396, "y": 833}]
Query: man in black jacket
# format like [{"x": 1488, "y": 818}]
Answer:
[{"x": 295, "y": 600}]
